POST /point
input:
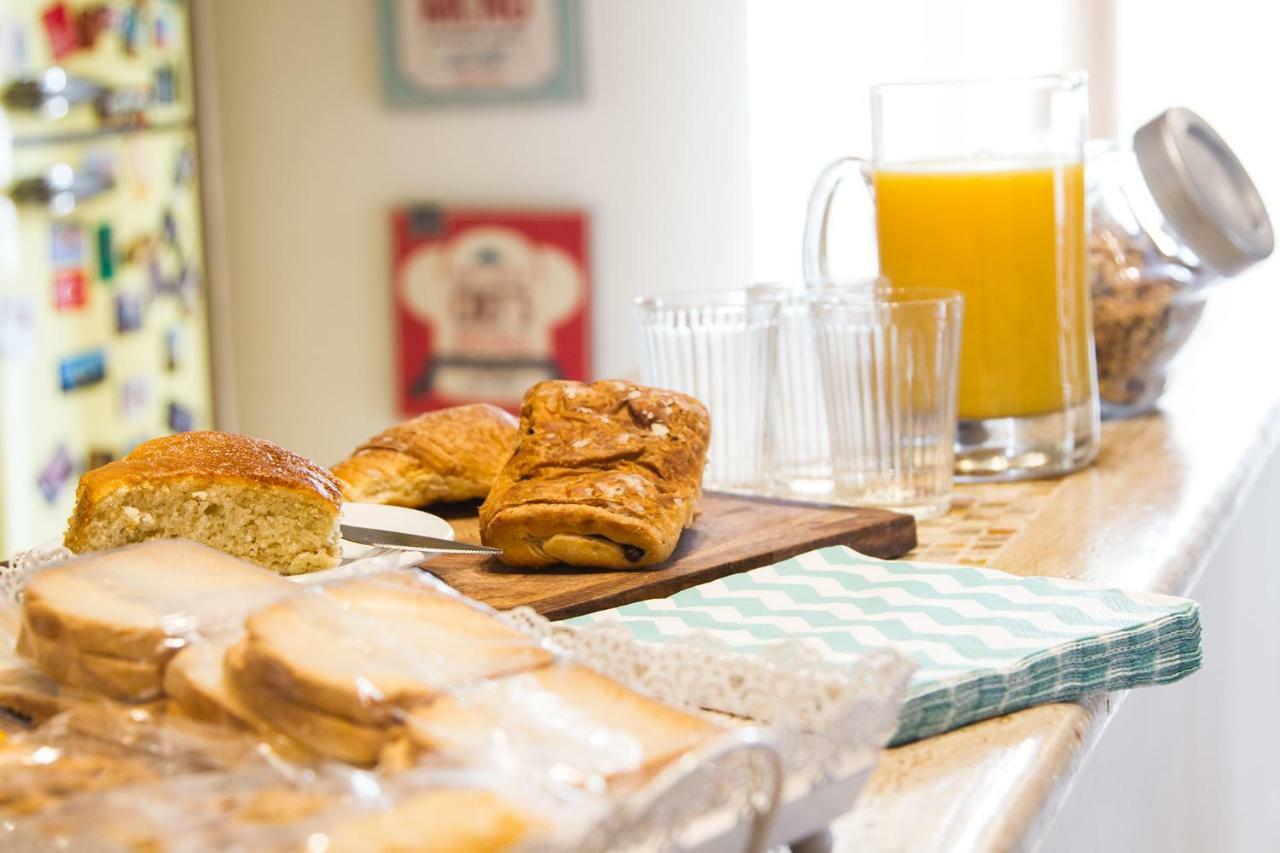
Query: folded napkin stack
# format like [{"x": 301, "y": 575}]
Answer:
[{"x": 986, "y": 642}]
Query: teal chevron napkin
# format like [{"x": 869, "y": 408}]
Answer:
[{"x": 986, "y": 642}]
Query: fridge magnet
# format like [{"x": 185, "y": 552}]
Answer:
[
  {"x": 92, "y": 23},
  {"x": 60, "y": 29},
  {"x": 131, "y": 29},
  {"x": 97, "y": 457},
  {"x": 68, "y": 289},
  {"x": 55, "y": 474},
  {"x": 135, "y": 397},
  {"x": 161, "y": 30},
  {"x": 442, "y": 52},
  {"x": 66, "y": 244},
  {"x": 82, "y": 370},
  {"x": 17, "y": 327},
  {"x": 169, "y": 226},
  {"x": 184, "y": 168},
  {"x": 129, "y": 311},
  {"x": 137, "y": 251},
  {"x": 106, "y": 253},
  {"x": 160, "y": 285},
  {"x": 487, "y": 303},
  {"x": 180, "y": 418},
  {"x": 173, "y": 349},
  {"x": 188, "y": 288},
  {"x": 13, "y": 47},
  {"x": 163, "y": 89}
]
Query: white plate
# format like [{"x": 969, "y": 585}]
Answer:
[{"x": 397, "y": 518}]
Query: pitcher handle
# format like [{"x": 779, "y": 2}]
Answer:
[{"x": 815, "y": 264}]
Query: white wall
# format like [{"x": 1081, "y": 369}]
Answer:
[
  {"x": 811, "y": 65},
  {"x": 311, "y": 161},
  {"x": 1219, "y": 59}
]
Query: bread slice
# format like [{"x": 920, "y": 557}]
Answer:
[
  {"x": 29, "y": 695},
  {"x": 448, "y": 455},
  {"x": 199, "y": 682},
  {"x": 25, "y": 691},
  {"x": 238, "y": 494},
  {"x": 443, "y": 820},
  {"x": 364, "y": 649},
  {"x": 195, "y": 681},
  {"x": 119, "y": 678},
  {"x": 110, "y": 621},
  {"x": 322, "y": 733},
  {"x": 563, "y": 715}
]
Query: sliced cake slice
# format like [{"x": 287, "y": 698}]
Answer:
[{"x": 242, "y": 495}]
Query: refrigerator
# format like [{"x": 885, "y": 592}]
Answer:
[{"x": 103, "y": 314}]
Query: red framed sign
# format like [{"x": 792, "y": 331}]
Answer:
[{"x": 488, "y": 302}]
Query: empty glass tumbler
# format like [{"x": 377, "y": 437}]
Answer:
[
  {"x": 718, "y": 346},
  {"x": 888, "y": 360},
  {"x": 798, "y": 447}
]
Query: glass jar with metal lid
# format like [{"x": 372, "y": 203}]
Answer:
[{"x": 1171, "y": 214}]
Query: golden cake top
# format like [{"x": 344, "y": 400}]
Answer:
[{"x": 215, "y": 455}]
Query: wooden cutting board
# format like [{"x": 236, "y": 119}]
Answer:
[{"x": 733, "y": 534}]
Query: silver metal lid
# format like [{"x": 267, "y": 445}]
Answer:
[{"x": 1203, "y": 191}]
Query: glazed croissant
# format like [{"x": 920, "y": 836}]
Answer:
[
  {"x": 606, "y": 475},
  {"x": 447, "y": 455}
]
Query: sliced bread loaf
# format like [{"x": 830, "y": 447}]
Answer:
[
  {"x": 110, "y": 621},
  {"x": 365, "y": 649},
  {"x": 563, "y": 715}
]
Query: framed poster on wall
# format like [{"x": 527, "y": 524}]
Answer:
[
  {"x": 442, "y": 52},
  {"x": 487, "y": 303}
]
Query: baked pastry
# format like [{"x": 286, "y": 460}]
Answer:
[
  {"x": 565, "y": 716},
  {"x": 448, "y": 455},
  {"x": 241, "y": 495},
  {"x": 110, "y": 621},
  {"x": 606, "y": 475}
]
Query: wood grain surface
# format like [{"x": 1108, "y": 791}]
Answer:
[{"x": 733, "y": 534}]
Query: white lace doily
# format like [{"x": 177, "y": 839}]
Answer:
[
  {"x": 826, "y": 722},
  {"x": 23, "y": 564}
]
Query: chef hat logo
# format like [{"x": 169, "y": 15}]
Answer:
[{"x": 491, "y": 291}]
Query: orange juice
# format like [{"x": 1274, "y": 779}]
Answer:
[{"x": 1012, "y": 240}]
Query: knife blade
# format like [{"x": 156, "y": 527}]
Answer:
[{"x": 411, "y": 542}]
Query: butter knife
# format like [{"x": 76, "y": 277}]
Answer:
[{"x": 410, "y": 542}]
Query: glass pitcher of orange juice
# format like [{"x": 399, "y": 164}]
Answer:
[{"x": 979, "y": 187}]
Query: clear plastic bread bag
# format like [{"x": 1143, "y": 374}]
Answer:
[{"x": 330, "y": 807}]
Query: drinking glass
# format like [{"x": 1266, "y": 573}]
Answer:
[
  {"x": 888, "y": 362},
  {"x": 718, "y": 346},
  {"x": 799, "y": 450},
  {"x": 979, "y": 187}
]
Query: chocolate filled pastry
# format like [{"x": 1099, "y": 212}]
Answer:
[
  {"x": 606, "y": 474},
  {"x": 442, "y": 456}
]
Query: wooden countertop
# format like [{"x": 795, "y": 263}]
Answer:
[{"x": 1147, "y": 516}]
